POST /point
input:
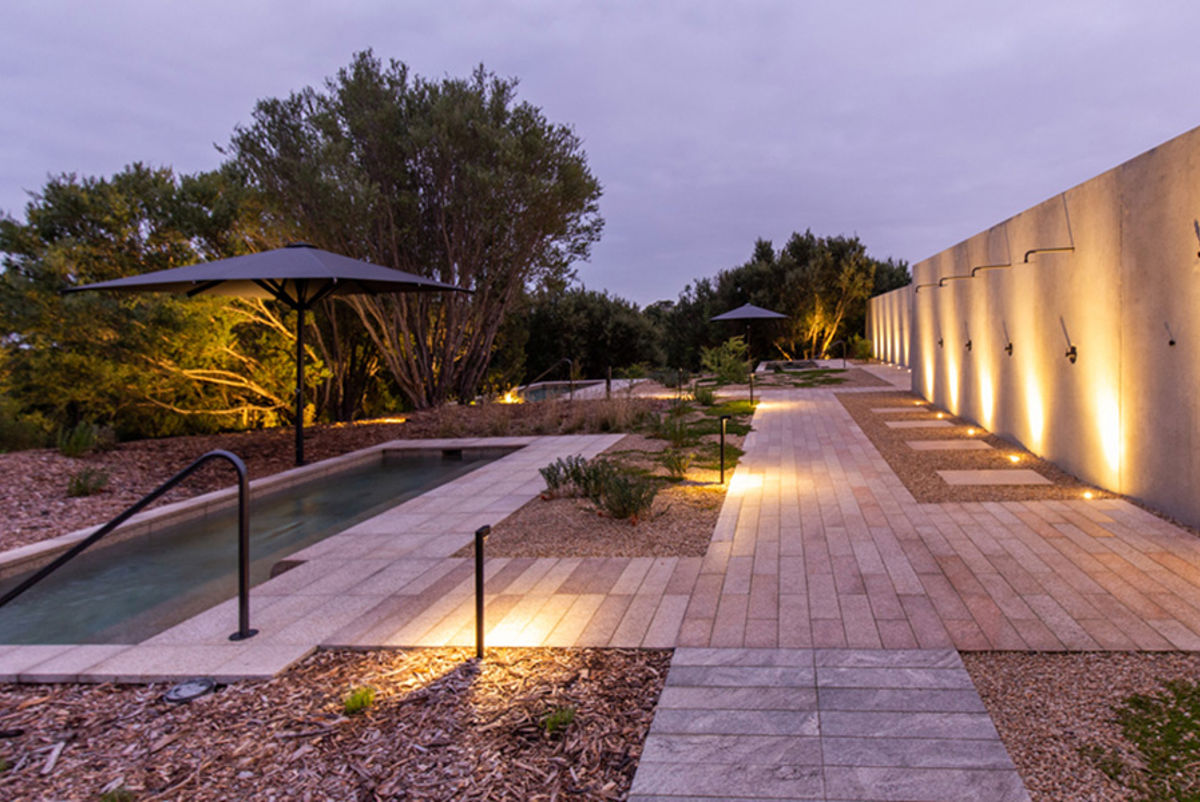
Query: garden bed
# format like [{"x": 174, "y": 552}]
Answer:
[
  {"x": 441, "y": 727},
  {"x": 1058, "y": 716},
  {"x": 918, "y": 469}
]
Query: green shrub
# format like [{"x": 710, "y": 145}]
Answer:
[
  {"x": 87, "y": 482},
  {"x": 592, "y": 478},
  {"x": 558, "y": 720},
  {"x": 628, "y": 495},
  {"x": 358, "y": 700},
  {"x": 676, "y": 463},
  {"x": 555, "y": 475},
  {"x": 860, "y": 347},
  {"x": 78, "y": 441},
  {"x": 704, "y": 396},
  {"x": 727, "y": 361},
  {"x": 675, "y": 431},
  {"x": 18, "y": 431}
]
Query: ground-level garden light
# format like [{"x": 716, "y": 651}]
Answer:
[
  {"x": 480, "y": 535},
  {"x": 724, "y": 422}
]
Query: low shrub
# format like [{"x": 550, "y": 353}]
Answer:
[
  {"x": 558, "y": 720},
  {"x": 704, "y": 396},
  {"x": 17, "y": 431},
  {"x": 860, "y": 347},
  {"x": 675, "y": 431},
  {"x": 79, "y": 440},
  {"x": 727, "y": 361},
  {"x": 358, "y": 700},
  {"x": 676, "y": 463},
  {"x": 87, "y": 482},
  {"x": 628, "y": 495}
]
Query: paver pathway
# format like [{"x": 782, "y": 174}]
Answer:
[{"x": 837, "y": 724}]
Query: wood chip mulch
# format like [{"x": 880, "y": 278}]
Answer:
[
  {"x": 1055, "y": 713},
  {"x": 34, "y": 504},
  {"x": 681, "y": 524},
  {"x": 918, "y": 469},
  {"x": 441, "y": 727}
]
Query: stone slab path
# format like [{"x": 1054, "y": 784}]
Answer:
[{"x": 822, "y": 724}]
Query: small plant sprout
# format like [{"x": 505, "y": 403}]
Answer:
[
  {"x": 87, "y": 482},
  {"x": 557, "y": 720},
  {"x": 358, "y": 700}
]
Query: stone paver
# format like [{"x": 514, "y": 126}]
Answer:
[
  {"x": 822, "y": 724},
  {"x": 947, "y": 445},
  {"x": 931, "y": 423},
  {"x": 994, "y": 476}
]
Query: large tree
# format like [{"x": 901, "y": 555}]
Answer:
[
  {"x": 453, "y": 179},
  {"x": 148, "y": 364}
]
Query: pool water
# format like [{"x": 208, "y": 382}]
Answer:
[
  {"x": 545, "y": 391},
  {"x": 132, "y": 589}
]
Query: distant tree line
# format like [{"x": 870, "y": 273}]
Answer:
[{"x": 453, "y": 179}]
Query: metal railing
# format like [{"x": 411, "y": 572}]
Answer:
[
  {"x": 570, "y": 376},
  {"x": 244, "y": 630}
]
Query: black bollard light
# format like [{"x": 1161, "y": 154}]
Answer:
[
  {"x": 724, "y": 420},
  {"x": 751, "y": 386},
  {"x": 608, "y": 383},
  {"x": 480, "y": 535}
]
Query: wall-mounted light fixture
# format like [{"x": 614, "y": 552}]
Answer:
[
  {"x": 1061, "y": 248},
  {"x": 941, "y": 343},
  {"x": 979, "y": 268},
  {"x": 1170, "y": 334},
  {"x": 1072, "y": 354},
  {"x": 1008, "y": 348},
  {"x": 968, "y": 345}
]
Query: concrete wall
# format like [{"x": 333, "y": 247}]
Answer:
[
  {"x": 1125, "y": 414},
  {"x": 889, "y": 325}
]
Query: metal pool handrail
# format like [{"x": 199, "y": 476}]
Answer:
[{"x": 244, "y": 630}]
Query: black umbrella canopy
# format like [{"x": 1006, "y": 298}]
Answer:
[
  {"x": 299, "y": 275},
  {"x": 750, "y": 312}
]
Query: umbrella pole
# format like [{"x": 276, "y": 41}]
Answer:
[{"x": 300, "y": 384}]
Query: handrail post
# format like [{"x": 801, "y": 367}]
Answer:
[{"x": 244, "y": 630}]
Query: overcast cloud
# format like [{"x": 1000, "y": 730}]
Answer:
[{"x": 710, "y": 124}]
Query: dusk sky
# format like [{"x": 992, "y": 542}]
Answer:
[{"x": 912, "y": 125}]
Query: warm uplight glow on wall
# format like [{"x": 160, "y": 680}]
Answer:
[
  {"x": 952, "y": 368},
  {"x": 987, "y": 399},
  {"x": 928, "y": 376},
  {"x": 1108, "y": 416},
  {"x": 1036, "y": 412},
  {"x": 1013, "y": 458},
  {"x": 971, "y": 432},
  {"x": 1088, "y": 494}
]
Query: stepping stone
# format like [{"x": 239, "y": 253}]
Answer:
[
  {"x": 896, "y": 410},
  {"x": 947, "y": 445},
  {"x": 919, "y": 424},
  {"x": 1003, "y": 476}
]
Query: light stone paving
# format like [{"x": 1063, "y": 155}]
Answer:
[
  {"x": 931, "y": 423},
  {"x": 837, "y": 724},
  {"x": 347, "y": 579},
  {"x": 994, "y": 476},
  {"x": 947, "y": 445}
]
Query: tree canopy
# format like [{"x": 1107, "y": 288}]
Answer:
[{"x": 452, "y": 179}]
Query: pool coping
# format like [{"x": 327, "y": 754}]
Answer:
[
  {"x": 293, "y": 609},
  {"x": 22, "y": 558}
]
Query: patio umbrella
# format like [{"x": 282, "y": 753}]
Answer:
[
  {"x": 298, "y": 275},
  {"x": 749, "y": 312}
]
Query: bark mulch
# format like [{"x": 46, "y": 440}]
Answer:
[
  {"x": 1055, "y": 714},
  {"x": 34, "y": 504},
  {"x": 441, "y": 727},
  {"x": 918, "y": 469}
]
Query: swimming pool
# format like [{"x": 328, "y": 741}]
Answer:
[
  {"x": 127, "y": 591},
  {"x": 544, "y": 391}
]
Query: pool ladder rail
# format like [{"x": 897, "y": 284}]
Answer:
[{"x": 244, "y": 631}]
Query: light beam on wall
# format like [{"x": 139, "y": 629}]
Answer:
[
  {"x": 987, "y": 398},
  {"x": 1108, "y": 415},
  {"x": 1035, "y": 410}
]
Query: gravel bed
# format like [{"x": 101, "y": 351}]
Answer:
[
  {"x": 442, "y": 727},
  {"x": 1055, "y": 713},
  {"x": 681, "y": 524},
  {"x": 918, "y": 469}
]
